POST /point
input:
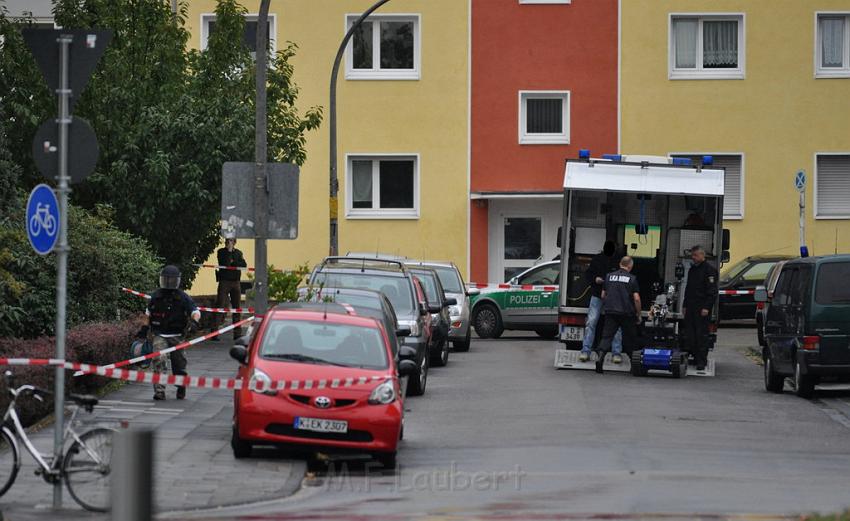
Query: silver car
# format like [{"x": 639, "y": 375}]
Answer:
[{"x": 454, "y": 287}]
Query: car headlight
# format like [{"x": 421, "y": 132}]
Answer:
[
  {"x": 261, "y": 383},
  {"x": 414, "y": 327},
  {"x": 384, "y": 394},
  {"x": 454, "y": 311}
]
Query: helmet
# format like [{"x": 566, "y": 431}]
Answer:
[{"x": 169, "y": 277}]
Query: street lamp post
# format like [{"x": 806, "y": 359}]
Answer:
[{"x": 333, "y": 210}]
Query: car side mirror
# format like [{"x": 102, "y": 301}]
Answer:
[
  {"x": 726, "y": 240},
  {"x": 472, "y": 292},
  {"x": 434, "y": 308},
  {"x": 760, "y": 294},
  {"x": 558, "y": 239},
  {"x": 724, "y": 257},
  {"x": 451, "y": 301},
  {"x": 407, "y": 368},
  {"x": 402, "y": 331},
  {"x": 240, "y": 354},
  {"x": 514, "y": 281}
]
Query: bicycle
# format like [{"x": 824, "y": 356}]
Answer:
[
  {"x": 42, "y": 219},
  {"x": 84, "y": 466}
]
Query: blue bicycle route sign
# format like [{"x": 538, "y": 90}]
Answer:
[{"x": 42, "y": 219}]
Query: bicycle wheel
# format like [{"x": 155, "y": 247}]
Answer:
[
  {"x": 10, "y": 460},
  {"x": 87, "y": 467}
]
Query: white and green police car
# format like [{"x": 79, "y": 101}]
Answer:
[{"x": 528, "y": 302}]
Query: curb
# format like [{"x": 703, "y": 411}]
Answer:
[{"x": 292, "y": 485}]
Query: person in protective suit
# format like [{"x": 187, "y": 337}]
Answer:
[
  {"x": 170, "y": 312},
  {"x": 700, "y": 295}
]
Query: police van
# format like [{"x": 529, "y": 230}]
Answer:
[{"x": 655, "y": 209}]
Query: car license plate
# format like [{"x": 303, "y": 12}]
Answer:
[
  {"x": 320, "y": 425},
  {"x": 572, "y": 334}
]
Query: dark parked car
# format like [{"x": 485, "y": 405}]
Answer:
[
  {"x": 807, "y": 327},
  {"x": 761, "y": 307},
  {"x": 404, "y": 292},
  {"x": 439, "y": 306},
  {"x": 744, "y": 275}
]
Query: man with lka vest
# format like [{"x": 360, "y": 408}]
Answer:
[
  {"x": 700, "y": 295},
  {"x": 621, "y": 306},
  {"x": 170, "y": 311},
  {"x": 601, "y": 265}
]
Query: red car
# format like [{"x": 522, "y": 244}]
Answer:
[{"x": 341, "y": 387}]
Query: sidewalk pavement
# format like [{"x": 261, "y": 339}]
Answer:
[{"x": 194, "y": 467}]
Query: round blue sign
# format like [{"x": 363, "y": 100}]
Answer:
[
  {"x": 42, "y": 219},
  {"x": 800, "y": 181}
]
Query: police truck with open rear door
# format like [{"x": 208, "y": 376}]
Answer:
[{"x": 655, "y": 209}]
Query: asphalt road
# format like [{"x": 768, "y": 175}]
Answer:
[{"x": 501, "y": 434}]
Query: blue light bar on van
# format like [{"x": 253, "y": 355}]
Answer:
[
  {"x": 612, "y": 157},
  {"x": 584, "y": 153},
  {"x": 681, "y": 161},
  {"x": 707, "y": 160}
]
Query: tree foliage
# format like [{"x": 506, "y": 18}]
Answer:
[{"x": 166, "y": 117}]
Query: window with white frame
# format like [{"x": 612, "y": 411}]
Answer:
[
  {"x": 707, "y": 46},
  {"x": 733, "y": 181},
  {"x": 832, "y": 53},
  {"x": 544, "y": 117},
  {"x": 249, "y": 35},
  {"x": 384, "y": 47},
  {"x": 382, "y": 186},
  {"x": 832, "y": 186}
]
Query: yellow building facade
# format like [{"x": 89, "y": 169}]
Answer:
[
  {"x": 764, "y": 85},
  {"x": 403, "y": 123}
]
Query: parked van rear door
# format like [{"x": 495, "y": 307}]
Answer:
[
  {"x": 779, "y": 332},
  {"x": 831, "y": 311}
]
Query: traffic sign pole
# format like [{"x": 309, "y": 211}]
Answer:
[
  {"x": 800, "y": 184},
  {"x": 64, "y": 93}
]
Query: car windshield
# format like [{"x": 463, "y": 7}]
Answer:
[
  {"x": 369, "y": 301},
  {"x": 734, "y": 271},
  {"x": 758, "y": 272},
  {"x": 832, "y": 287},
  {"x": 397, "y": 289},
  {"x": 324, "y": 343},
  {"x": 449, "y": 279},
  {"x": 429, "y": 285}
]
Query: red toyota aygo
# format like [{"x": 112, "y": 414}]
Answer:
[{"x": 319, "y": 375}]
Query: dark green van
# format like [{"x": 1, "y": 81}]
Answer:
[{"x": 807, "y": 327}]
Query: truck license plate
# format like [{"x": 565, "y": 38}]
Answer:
[
  {"x": 572, "y": 334},
  {"x": 319, "y": 425}
]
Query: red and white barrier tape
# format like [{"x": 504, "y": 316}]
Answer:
[
  {"x": 178, "y": 347},
  {"x": 233, "y": 268},
  {"x": 200, "y": 308},
  {"x": 737, "y": 292},
  {"x": 524, "y": 287},
  {"x": 205, "y": 382}
]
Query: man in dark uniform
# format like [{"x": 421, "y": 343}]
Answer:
[
  {"x": 621, "y": 306},
  {"x": 700, "y": 296},
  {"x": 170, "y": 311},
  {"x": 229, "y": 289}
]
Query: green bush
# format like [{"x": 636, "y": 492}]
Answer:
[
  {"x": 283, "y": 285},
  {"x": 102, "y": 259}
]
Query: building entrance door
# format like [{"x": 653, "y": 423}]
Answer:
[{"x": 522, "y": 244}]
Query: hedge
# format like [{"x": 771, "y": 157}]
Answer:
[{"x": 98, "y": 343}]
